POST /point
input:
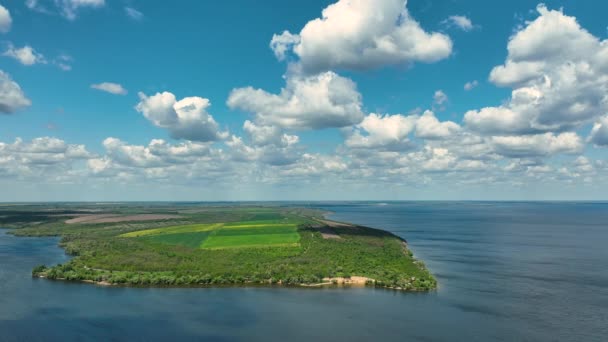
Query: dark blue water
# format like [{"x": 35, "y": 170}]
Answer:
[{"x": 507, "y": 271}]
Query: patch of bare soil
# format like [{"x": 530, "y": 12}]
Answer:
[
  {"x": 140, "y": 217},
  {"x": 327, "y": 233},
  {"x": 354, "y": 280},
  {"x": 68, "y": 215},
  {"x": 112, "y": 218},
  {"x": 88, "y": 218},
  {"x": 335, "y": 224}
]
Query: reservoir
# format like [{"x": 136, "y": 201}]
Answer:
[{"x": 506, "y": 271}]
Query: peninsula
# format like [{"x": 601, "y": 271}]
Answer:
[{"x": 171, "y": 245}]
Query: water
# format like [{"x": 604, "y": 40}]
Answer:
[{"x": 507, "y": 271}]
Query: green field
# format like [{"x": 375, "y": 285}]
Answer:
[
  {"x": 252, "y": 235},
  {"x": 240, "y": 234},
  {"x": 192, "y": 228},
  {"x": 190, "y": 240}
]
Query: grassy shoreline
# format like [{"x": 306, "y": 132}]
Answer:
[{"x": 242, "y": 247}]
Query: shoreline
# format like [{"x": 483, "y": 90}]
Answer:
[{"x": 328, "y": 283}]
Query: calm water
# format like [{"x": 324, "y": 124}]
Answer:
[{"x": 507, "y": 271}]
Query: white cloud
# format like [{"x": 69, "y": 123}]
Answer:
[
  {"x": 537, "y": 145},
  {"x": 583, "y": 164},
  {"x": 101, "y": 166},
  {"x": 28, "y": 56},
  {"x": 471, "y": 85},
  {"x": 313, "y": 165},
  {"x": 438, "y": 159},
  {"x": 67, "y": 8},
  {"x": 599, "y": 133},
  {"x": 307, "y": 102},
  {"x": 185, "y": 119},
  {"x": 362, "y": 34},
  {"x": 268, "y": 135},
  {"x": 12, "y": 97},
  {"x": 158, "y": 153},
  {"x": 559, "y": 75},
  {"x": 440, "y": 99},
  {"x": 428, "y": 127},
  {"x": 5, "y": 20},
  {"x": 133, "y": 13},
  {"x": 112, "y": 88},
  {"x": 460, "y": 21},
  {"x": 160, "y": 161},
  {"x": 497, "y": 120},
  {"x": 282, "y": 43},
  {"x": 25, "y": 55},
  {"x": 42, "y": 159},
  {"x": 63, "y": 62},
  {"x": 170, "y": 166},
  {"x": 276, "y": 153},
  {"x": 383, "y": 132},
  {"x": 70, "y": 8}
]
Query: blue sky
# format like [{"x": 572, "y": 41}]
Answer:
[{"x": 237, "y": 100}]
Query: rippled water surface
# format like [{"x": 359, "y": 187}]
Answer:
[{"x": 507, "y": 271}]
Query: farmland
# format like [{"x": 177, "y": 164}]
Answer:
[
  {"x": 219, "y": 235},
  {"x": 218, "y": 246}
]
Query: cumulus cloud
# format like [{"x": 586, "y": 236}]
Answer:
[
  {"x": 50, "y": 160},
  {"x": 383, "y": 132},
  {"x": 44, "y": 147},
  {"x": 5, "y": 20},
  {"x": 599, "y": 133},
  {"x": 392, "y": 132},
  {"x": 276, "y": 154},
  {"x": 161, "y": 161},
  {"x": 313, "y": 165},
  {"x": 12, "y": 97},
  {"x": 418, "y": 165},
  {"x": 538, "y": 145},
  {"x": 41, "y": 159},
  {"x": 306, "y": 102},
  {"x": 282, "y": 43},
  {"x": 158, "y": 153},
  {"x": 438, "y": 159},
  {"x": 362, "y": 34},
  {"x": 429, "y": 127},
  {"x": 471, "y": 85},
  {"x": 267, "y": 144},
  {"x": 25, "y": 55},
  {"x": 184, "y": 119},
  {"x": 28, "y": 56},
  {"x": 459, "y": 21},
  {"x": 109, "y": 87},
  {"x": 498, "y": 120},
  {"x": 67, "y": 8},
  {"x": 559, "y": 75},
  {"x": 440, "y": 99},
  {"x": 268, "y": 135}
]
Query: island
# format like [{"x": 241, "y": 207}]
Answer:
[{"x": 193, "y": 245}]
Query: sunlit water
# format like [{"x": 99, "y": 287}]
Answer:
[{"x": 507, "y": 271}]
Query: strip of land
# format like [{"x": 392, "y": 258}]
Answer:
[{"x": 131, "y": 245}]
